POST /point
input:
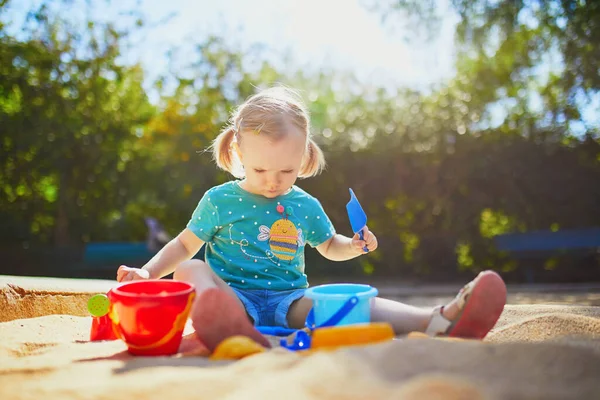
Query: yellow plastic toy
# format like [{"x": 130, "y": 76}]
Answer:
[{"x": 235, "y": 348}]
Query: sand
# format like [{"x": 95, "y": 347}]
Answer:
[{"x": 534, "y": 352}]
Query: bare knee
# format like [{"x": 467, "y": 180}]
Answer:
[
  {"x": 199, "y": 274},
  {"x": 194, "y": 271}
]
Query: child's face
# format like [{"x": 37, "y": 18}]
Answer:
[{"x": 271, "y": 167}]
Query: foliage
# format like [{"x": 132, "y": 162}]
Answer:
[
  {"x": 69, "y": 115},
  {"x": 86, "y": 156},
  {"x": 534, "y": 60}
]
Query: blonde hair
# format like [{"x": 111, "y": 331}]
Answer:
[{"x": 267, "y": 113}]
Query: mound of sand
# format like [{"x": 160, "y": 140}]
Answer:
[
  {"x": 28, "y": 297},
  {"x": 535, "y": 352}
]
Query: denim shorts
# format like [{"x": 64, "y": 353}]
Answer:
[{"x": 268, "y": 307}]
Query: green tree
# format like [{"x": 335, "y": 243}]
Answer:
[
  {"x": 69, "y": 113},
  {"x": 535, "y": 60}
]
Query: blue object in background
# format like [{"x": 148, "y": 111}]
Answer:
[
  {"x": 548, "y": 241},
  {"x": 116, "y": 253},
  {"x": 109, "y": 255}
]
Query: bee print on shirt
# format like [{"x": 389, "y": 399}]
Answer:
[{"x": 283, "y": 237}]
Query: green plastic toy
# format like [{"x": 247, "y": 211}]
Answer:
[{"x": 98, "y": 305}]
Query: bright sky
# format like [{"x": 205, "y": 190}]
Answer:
[{"x": 342, "y": 34}]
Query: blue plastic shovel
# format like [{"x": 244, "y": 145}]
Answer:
[{"x": 357, "y": 216}]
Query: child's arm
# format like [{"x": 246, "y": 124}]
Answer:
[
  {"x": 342, "y": 248},
  {"x": 180, "y": 249}
]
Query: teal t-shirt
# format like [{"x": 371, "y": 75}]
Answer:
[{"x": 253, "y": 242}]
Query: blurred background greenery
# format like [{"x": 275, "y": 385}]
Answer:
[{"x": 508, "y": 142}]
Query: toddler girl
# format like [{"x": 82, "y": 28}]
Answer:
[{"x": 256, "y": 227}]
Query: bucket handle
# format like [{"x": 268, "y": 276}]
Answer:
[
  {"x": 335, "y": 318},
  {"x": 178, "y": 324},
  {"x": 302, "y": 340}
]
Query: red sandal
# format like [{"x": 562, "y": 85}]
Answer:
[{"x": 481, "y": 302}]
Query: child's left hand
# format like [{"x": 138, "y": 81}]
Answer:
[{"x": 369, "y": 240}]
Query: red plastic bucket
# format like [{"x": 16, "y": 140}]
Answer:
[{"x": 150, "y": 315}]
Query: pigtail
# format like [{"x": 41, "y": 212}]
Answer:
[
  {"x": 314, "y": 160},
  {"x": 222, "y": 149}
]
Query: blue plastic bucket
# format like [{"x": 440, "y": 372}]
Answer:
[{"x": 328, "y": 299}]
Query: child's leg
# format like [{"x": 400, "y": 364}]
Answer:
[
  {"x": 402, "y": 317},
  {"x": 298, "y": 311},
  {"x": 472, "y": 313},
  {"x": 217, "y": 312}
]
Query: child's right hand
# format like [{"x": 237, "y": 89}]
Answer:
[{"x": 125, "y": 273}]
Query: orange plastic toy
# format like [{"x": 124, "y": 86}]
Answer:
[{"x": 351, "y": 335}]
